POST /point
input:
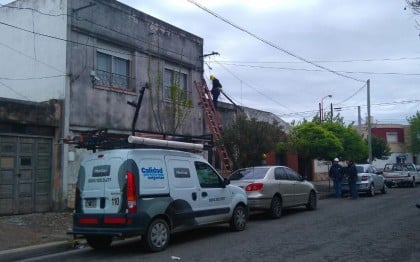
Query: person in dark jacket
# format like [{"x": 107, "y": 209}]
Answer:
[
  {"x": 215, "y": 90},
  {"x": 352, "y": 179},
  {"x": 336, "y": 174}
]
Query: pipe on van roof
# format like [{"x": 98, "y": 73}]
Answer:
[{"x": 164, "y": 143}]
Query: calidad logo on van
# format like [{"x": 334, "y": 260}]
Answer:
[{"x": 152, "y": 173}]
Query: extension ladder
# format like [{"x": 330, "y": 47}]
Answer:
[{"x": 215, "y": 125}]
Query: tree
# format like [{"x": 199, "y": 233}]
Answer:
[
  {"x": 415, "y": 7},
  {"x": 168, "y": 114},
  {"x": 415, "y": 133},
  {"x": 311, "y": 140},
  {"x": 354, "y": 148},
  {"x": 380, "y": 148},
  {"x": 247, "y": 140}
]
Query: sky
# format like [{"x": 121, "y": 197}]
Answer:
[{"x": 288, "y": 56}]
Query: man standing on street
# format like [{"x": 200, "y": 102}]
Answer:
[
  {"x": 352, "y": 178},
  {"x": 336, "y": 174}
]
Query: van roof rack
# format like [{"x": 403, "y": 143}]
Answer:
[{"x": 101, "y": 139}]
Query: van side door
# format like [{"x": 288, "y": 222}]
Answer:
[{"x": 213, "y": 195}]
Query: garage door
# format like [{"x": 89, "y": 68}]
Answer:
[{"x": 25, "y": 174}]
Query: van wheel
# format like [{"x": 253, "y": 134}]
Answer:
[
  {"x": 99, "y": 242},
  {"x": 157, "y": 235},
  {"x": 276, "y": 208},
  {"x": 238, "y": 220}
]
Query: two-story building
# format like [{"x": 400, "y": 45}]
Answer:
[{"x": 71, "y": 66}]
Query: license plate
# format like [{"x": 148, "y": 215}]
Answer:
[{"x": 90, "y": 202}]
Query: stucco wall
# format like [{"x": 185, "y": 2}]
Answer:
[{"x": 150, "y": 45}]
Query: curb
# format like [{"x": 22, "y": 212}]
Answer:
[{"x": 36, "y": 250}]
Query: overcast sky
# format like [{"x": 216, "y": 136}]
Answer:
[{"x": 344, "y": 43}]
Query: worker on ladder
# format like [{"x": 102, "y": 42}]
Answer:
[{"x": 215, "y": 90}]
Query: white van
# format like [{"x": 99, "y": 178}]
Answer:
[{"x": 152, "y": 193}]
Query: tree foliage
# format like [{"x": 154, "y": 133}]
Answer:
[
  {"x": 354, "y": 147},
  {"x": 247, "y": 140},
  {"x": 380, "y": 148},
  {"x": 311, "y": 140},
  {"x": 415, "y": 133},
  {"x": 325, "y": 141}
]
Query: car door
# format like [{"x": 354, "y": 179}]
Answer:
[
  {"x": 284, "y": 186},
  {"x": 213, "y": 196},
  {"x": 377, "y": 180},
  {"x": 300, "y": 189}
]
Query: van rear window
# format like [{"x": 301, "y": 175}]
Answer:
[{"x": 100, "y": 171}]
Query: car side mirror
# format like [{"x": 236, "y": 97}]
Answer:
[{"x": 226, "y": 181}]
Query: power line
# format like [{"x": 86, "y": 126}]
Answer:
[
  {"x": 318, "y": 70},
  {"x": 272, "y": 44},
  {"x": 344, "y": 108},
  {"x": 96, "y": 24},
  {"x": 323, "y": 61},
  {"x": 353, "y": 95},
  {"x": 252, "y": 87},
  {"x": 14, "y": 91}
]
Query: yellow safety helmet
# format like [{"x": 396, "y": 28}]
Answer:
[{"x": 212, "y": 77}]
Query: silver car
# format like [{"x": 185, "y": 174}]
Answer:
[
  {"x": 369, "y": 180},
  {"x": 273, "y": 188}
]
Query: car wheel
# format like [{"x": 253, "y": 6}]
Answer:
[
  {"x": 238, "y": 220},
  {"x": 371, "y": 191},
  {"x": 312, "y": 201},
  {"x": 157, "y": 235},
  {"x": 99, "y": 242},
  {"x": 276, "y": 208},
  {"x": 384, "y": 189}
]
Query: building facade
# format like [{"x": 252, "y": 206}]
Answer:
[
  {"x": 70, "y": 52},
  {"x": 72, "y": 69}
]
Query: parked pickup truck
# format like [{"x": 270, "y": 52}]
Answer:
[{"x": 401, "y": 174}]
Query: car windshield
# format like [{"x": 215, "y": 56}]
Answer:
[{"x": 249, "y": 173}]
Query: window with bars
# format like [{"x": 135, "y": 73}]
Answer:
[
  {"x": 172, "y": 77},
  {"x": 112, "y": 71}
]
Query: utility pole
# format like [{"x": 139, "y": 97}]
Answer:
[
  {"x": 368, "y": 122},
  {"x": 359, "y": 121},
  {"x": 331, "y": 113}
]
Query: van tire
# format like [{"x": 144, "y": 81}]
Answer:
[
  {"x": 238, "y": 220},
  {"x": 99, "y": 242},
  {"x": 157, "y": 235}
]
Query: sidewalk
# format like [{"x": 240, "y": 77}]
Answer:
[
  {"x": 23, "y": 236},
  {"x": 324, "y": 188}
]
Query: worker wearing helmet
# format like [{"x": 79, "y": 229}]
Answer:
[{"x": 215, "y": 90}]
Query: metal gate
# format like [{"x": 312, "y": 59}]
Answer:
[{"x": 25, "y": 174}]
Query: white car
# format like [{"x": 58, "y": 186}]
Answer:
[
  {"x": 369, "y": 180},
  {"x": 273, "y": 188}
]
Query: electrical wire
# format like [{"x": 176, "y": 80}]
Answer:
[
  {"x": 14, "y": 91},
  {"x": 319, "y": 70},
  {"x": 272, "y": 44}
]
